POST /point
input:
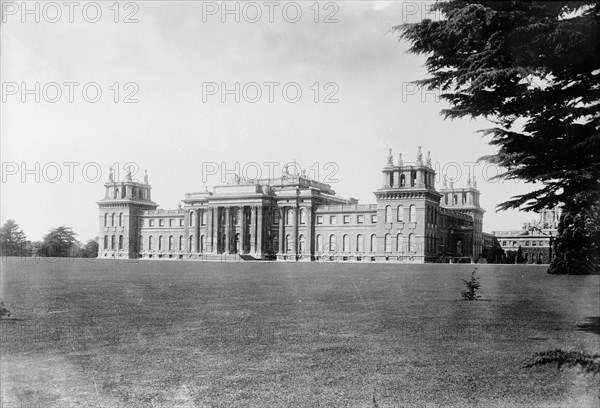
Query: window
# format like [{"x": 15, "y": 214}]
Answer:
[
  {"x": 151, "y": 223},
  {"x": 360, "y": 219},
  {"x": 402, "y": 180},
  {"x": 319, "y": 219},
  {"x": 203, "y": 217},
  {"x": 303, "y": 216},
  {"x": 120, "y": 241},
  {"x": 170, "y": 242},
  {"x": 332, "y": 243},
  {"x": 141, "y": 222},
  {"x": 400, "y": 213},
  {"x": 141, "y": 243},
  {"x": 301, "y": 244},
  {"x": 503, "y": 243},
  {"x": 180, "y": 247},
  {"x": 388, "y": 214},
  {"x": 181, "y": 222},
  {"x": 411, "y": 243},
  {"x": 112, "y": 220},
  {"x": 171, "y": 222},
  {"x": 526, "y": 243},
  {"x": 332, "y": 219},
  {"x": 373, "y": 247},
  {"x": 202, "y": 244},
  {"x": 533, "y": 243},
  {"x": 455, "y": 199},
  {"x": 387, "y": 243},
  {"x": 399, "y": 243},
  {"x": 289, "y": 216},
  {"x": 288, "y": 244},
  {"x": 236, "y": 217},
  {"x": 346, "y": 243},
  {"x": 346, "y": 219},
  {"x": 191, "y": 243},
  {"x": 113, "y": 242},
  {"x": 373, "y": 218},
  {"x": 160, "y": 242},
  {"x": 319, "y": 243},
  {"x": 541, "y": 243},
  {"x": 120, "y": 219},
  {"x": 161, "y": 223},
  {"x": 360, "y": 243},
  {"x": 151, "y": 243},
  {"x": 191, "y": 218},
  {"x": 412, "y": 213},
  {"x": 106, "y": 242},
  {"x": 106, "y": 219}
]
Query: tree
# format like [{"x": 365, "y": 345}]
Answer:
[
  {"x": 90, "y": 249},
  {"x": 533, "y": 70},
  {"x": 59, "y": 242},
  {"x": 13, "y": 241}
]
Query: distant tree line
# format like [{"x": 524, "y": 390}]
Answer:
[{"x": 60, "y": 242}]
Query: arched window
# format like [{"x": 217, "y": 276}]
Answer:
[
  {"x": 400, "y": 243},
  {"x": 106, "y": 242},
  {"x": 387, "y": 243},
  {"x": 180, "y": 243},
  {"x": 191, "y": 244},
  {"x": 301, "y": 244},
  {"x": 446, "y": 199},
  {"x": 455, "y": 199},
  {"x": 388, "y": 213},
  {"x": 402, "y": 180},
  {"x": 392, "y": 179},
  {"x": 275, "y": 244},
  {"x": 116, "y": 193},
  {"x": 237, "y": 243},
  {"x": 459, "y": 247},
  {"x": 141, "y": 243},
  {"x": 203, "y": 217},
  {"x": 151, "y": 243},
  {"x": 319, "y": 243},
  {"x": 106, "y": 219},
  {"x": 332, "y": 243},
  {"x": 303, "y": 216},
  {"x": 202, "y": 244},
  {"x": 413, "y": 178},
  {"x": 191, "y": 218},
  {"x": 160, "y": 242},
  {"x": 276, "y": 216},
  {"x": 346, "y": 243},
  {"x": 412, "y": 213},
  {"x": 400, "y": 214},
  {"x": 411, "y": 243},
  {"x": 236, "y": 216},
  {"x": 112, "y": 220},
  {"x": 289, "y": 216},
  {"x": 360, "y": 243},
  {"x": 288, "y": 244},
  {"x": 120, "y": 219},
  {"x": 113, "y": 242},
  {"x": 170, "y": 242},
  {"x": 120, "y": 241},
  {"x": 373, "y": 246}
]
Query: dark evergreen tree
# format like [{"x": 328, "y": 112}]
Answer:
[
  {"x": 13, "y": 241},
  {"x": 533, "y": 70},
  {"x": 60, "y": 242},
  {"x": 90, "y": 249}
]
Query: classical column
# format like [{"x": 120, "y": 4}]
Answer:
[
  {"x": 295, "y": 230},
  {"x": 281, "y": 230},
  {"x": 309, "y": 232},
  {"x": 227, "y": 230},
  {"x": 253, "y": 229},
  {"x": 242, "y": 230},
  {"x": 259, "y": 230},
  {"x": 209, "y": 230}
]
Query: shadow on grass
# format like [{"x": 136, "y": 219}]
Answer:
[
  {"x": 590, "y": 363},
  {"x": 592, "y": 325}
]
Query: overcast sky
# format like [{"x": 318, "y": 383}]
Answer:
[{"x": 181, "y": 131}]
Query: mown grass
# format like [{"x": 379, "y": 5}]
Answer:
[{"x": 184, "y": 334}]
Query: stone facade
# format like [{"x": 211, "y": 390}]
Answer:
[{"x": 294, "y": 218}]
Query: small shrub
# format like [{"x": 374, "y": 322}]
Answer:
[
  {"x": 472, "y": 287},
  {"x": 590, "y": 363}
]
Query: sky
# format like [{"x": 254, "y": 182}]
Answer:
[{"x": 194, "y": 91}]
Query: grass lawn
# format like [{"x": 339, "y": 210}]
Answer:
[{"x": 190, "y": 334}]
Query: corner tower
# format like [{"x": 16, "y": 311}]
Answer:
[
  {"x": 120, "y": 208},
  {"x": 407, "y": 211}
]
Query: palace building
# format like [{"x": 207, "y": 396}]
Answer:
[{"x": 295, "y": 218}]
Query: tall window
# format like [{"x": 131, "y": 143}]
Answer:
[
  {"x": 203, "y": 217},
  {"x": 346, "y": 243},
  {"x": 373, "y": 246},
  {"x": 160, "y": 242},
  {"x": 360, "y": 243},
  {"x": 106, "y": 219},
  {"x": 106, "y": 242},
  {"x": 191, "y": 244},
  {"x": 236, "y": 216},
  {"x": 301, "y": 244},
  {"x": 141, "y": 243},
  {"x": 120, "y": 219},
  {"x": 180, "y": 243},
  {"x": 400, "y": 213},
  {"x": 112, "y": 220},
  {"x": 412, "y": 213},
  {"x": 319, "y": 243},
  {"x": 151, "y": 243},
  {"x": 113, "y": 242},
  {"x": 455, "y": 199},
  {"x": 402, "y": 180},
  {"x": 400, "y": 243},
  {"x": 288, "y": 244},
  {"x": 387, "y": 243},
  {"x": 289, "y": 217},
  {"x": 120, "y": 241},
  {"x": 191, "y": 218},
  {"x": 411, "y": 243},
  {"x": 332, "y": 243},
  {"x": 170, "y": 242},
  {"x": 388, "y": 214},
  {"x": 303, "y": 216},
  {"x": 202, "y": 244}
]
